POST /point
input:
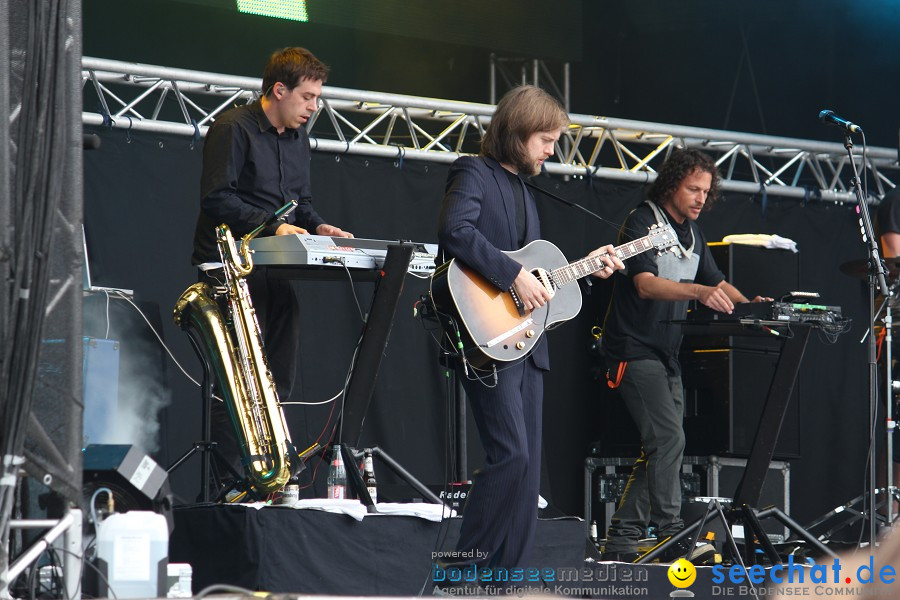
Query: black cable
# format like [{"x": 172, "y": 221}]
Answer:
[
  {"x": 569, "y": 203},
  {"x": 343, "y": 263},
  {"x": 449, "y": 459},
  {"x": 29, "y": 581},
  {"x": 353, "y": 365},
  {"x": 427, "y": 306},
  {"x": 340, "y": 411},
  {"x": 81, "y": 558},
  {"x": 337, "y": 427},
  {"x": 448, "y": 320},
  {"x": 56, "y": 566}
]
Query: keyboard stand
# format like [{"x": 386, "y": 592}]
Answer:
[
  {"x": 365, "y": 370},
  {"x": 749, "y": 489}
]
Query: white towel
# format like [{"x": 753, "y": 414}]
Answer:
[
  {"x": 357, "y": 510},
  {"x": 761, "y": 239}
]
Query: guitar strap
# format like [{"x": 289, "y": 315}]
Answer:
[
  {"x": 613, "y": 384},
  {"x": 681, "y": 265}
]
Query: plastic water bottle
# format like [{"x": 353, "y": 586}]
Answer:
[{"x": 337, "y": 475}]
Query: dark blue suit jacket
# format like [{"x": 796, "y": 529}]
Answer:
[{"x": 478, "y": 221}]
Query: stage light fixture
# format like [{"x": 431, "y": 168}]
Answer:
[{"x": 293, "y": 10}]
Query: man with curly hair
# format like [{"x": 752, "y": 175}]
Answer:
[{"x": 641, "y": 346}]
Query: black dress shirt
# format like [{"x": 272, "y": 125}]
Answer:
[
  {"x": 250, "y": 171},
  {"x": 518, "y": 191}
]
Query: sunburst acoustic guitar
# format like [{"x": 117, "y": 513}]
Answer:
[{"x": 492, "y": 325}]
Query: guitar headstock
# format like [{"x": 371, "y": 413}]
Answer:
[{"x": 662, "y": 237}]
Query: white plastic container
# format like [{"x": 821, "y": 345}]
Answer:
[{"x": 133, "y": 551}]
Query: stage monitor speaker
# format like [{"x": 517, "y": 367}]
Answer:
[
  {"x": 724, "y": 394},
  {"x": 727, "y": 379}
]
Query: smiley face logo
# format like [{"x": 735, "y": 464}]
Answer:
[{"x": 682, "y": 573}]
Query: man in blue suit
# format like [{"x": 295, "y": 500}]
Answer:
[{"x": 486, "y": 210}]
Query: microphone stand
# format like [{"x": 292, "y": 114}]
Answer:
[
  {"x": 877, "y": 273},
  {"x": 889, "y": 418}
]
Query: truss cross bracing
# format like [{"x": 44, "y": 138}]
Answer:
[{"x": 177, "y": 101}]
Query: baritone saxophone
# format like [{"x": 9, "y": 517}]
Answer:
[{"x": 233, "y": 347}]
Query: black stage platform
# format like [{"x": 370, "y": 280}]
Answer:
[{"x": 285, "y": 550}]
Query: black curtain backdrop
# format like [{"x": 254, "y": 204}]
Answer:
[{"x": 141, "y": 202}]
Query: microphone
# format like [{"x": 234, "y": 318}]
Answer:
[
  {"x": 278, "y": 215},
  {"x": 829, "y": 118},
  {"x": 281, "y": 213}
]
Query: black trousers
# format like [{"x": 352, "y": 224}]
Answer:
[
  {"x": 277, "y": 310},
  {"x": 655, "y": 399},
  {"x": 500, "y": 515}
]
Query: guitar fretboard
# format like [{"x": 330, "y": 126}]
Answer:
[{"x": 589, "y": 264}]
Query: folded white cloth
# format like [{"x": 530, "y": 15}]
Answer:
[
  {"x": 357, "y": 510},
  {"x": 352, "y": 508},
  {"x": 761, "y": 239}
]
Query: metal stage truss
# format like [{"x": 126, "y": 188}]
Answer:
[{"x": 183, "y": 102}]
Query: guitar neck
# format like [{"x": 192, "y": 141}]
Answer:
[{"x": 589, "y": 264}]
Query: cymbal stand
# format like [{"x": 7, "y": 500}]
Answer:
[{"x": 890, "y": 424}]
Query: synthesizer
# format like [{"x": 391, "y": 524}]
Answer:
[
  {"x": 785, "y": 312},
  {"x": 324, "y": 251}
]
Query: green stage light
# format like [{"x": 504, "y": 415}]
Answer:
[{"x": 293, "y": 10}]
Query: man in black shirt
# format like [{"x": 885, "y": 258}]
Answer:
[
  {"x": 256, "y": 158},
  {"x": 641, "y": 347}
]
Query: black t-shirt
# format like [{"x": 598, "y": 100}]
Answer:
[{"x": 635, "y": 327}]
